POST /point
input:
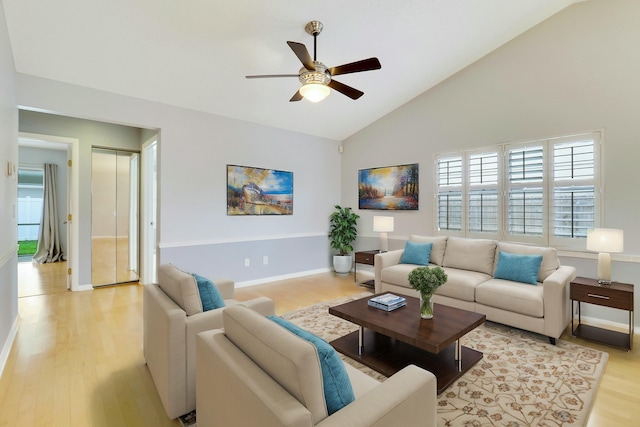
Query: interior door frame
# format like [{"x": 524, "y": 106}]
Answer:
[
  {"x": 149, "y": 218},
  {"x": 73, "y": 199}
]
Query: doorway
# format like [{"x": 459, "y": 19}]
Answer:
[
  {"x": 114, "y": 216},
  {"x": 34, "y": 150}
]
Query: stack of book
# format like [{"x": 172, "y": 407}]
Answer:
[{"x": 387, "y": 302}]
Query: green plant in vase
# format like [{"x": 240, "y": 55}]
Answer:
[{"x": 426, "y": 280}]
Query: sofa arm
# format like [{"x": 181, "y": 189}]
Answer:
[
  {"x": 163, "y": 347},
  {"x": 385, "y": 260},
  {"x": 226, "y": 287},
  {"x": 557, "y": 305},
  {"x": 408, "y": 399},
  {"x": 262, "y": 305}
]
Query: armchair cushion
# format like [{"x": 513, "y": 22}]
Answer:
[
  {"x": 338, "y": 392},
  {"x": 289, "y": 360},
  {"x": 181, "y": 287},
  {"x": 209, "y": 294}
]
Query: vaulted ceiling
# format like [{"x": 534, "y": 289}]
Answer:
[{"x": 195, "y": 54}]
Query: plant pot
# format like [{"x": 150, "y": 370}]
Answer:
[
  {"x": 342, "y": 264},
  {"x": 426, "y": 306}
]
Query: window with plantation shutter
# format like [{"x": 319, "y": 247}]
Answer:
[
  {"x": 543, "y": 192},
  {"x": 525, "y": 189},
  {"x": 483, "y": 203},
  {"x": 573, "y": 201},
  {"x": 449, "y": 193}
]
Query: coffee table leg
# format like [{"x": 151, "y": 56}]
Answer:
[
  {"x": 458, "y": 355},
  {"x": 360, "y": 340}
]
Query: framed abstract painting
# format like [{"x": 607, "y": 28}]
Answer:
[
  {"x": 257, "y": 191},
  {"x": 388, "y": 188}
]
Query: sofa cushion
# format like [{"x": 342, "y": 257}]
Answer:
[
  {"x": 461, "y": 284},
  {"x": 549, "y": 263},
  {"x": 438, "y": 245},
  {"x": 335, "y": 381},
  {"x": 517, "y": 267},
  {"x": 511, "y": 296},
  {"x": 209, "y": 294},
  {"x": 291, "y": 361},
  {"x": 181, "y": 287},
  {"x": 470, "y": 254},
  {"x": 416, "y": 253},
  {"x": 397, "y": 274}
]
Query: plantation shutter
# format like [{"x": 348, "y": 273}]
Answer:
[
  {"x": 449, "y": 193},
  {"x": 573, "y": 209},
  {"x": 483, "y": 203},
  {"x": 526, "y": 198}
]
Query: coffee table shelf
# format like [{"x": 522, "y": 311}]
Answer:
[{"x": 393, "y": 340}]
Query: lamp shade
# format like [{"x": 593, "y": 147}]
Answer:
[
  {"x": 382, "y": 224},
  {"x": 315, "y": 92},
  {"x": 609, "y": 240}
]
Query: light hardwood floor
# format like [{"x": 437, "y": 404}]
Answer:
[{"x": 77, "y": 358}]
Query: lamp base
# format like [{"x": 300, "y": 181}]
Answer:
[
  {"x": 604, "y": 282},
  {"x": 604, "y": 268},
  {"x": 383, "y": 243}
]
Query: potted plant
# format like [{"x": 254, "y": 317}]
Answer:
[
  {"x": 426, "y": 280},
  {"x": 342, "y": 233}
]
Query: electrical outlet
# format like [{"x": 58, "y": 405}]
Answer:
[
  {"x": 246, "y": 262},
  {"x": 265, "y": 260}
]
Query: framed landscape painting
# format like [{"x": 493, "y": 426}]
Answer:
[
  {"x": 257, "y": 191},
  {"x": 388, "y": 188}
]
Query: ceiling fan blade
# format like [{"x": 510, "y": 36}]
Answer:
[
  {"x": 303, "y": 55},
  {"x": 356, "y": 67},
  {"x": 296, "y": 97},
  {"x": 345, "y": 90},
  {"x": 268, "y": 76}
]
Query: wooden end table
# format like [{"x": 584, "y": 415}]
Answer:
[
  {"x": 388, "y": 341},
  {"x": 616, "y": 295},
  {"x": 364, "y": 257}
]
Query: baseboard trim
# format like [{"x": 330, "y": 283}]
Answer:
[
  {"x": 6, "y": 349},
  {"x": 282, "y": 277}
]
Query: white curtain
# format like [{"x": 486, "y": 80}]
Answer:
[{"x": 49, "y": 248}]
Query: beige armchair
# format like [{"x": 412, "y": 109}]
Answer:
[
  {"x": 172, "y": 316},
  {"x": 256, "y": 373}
]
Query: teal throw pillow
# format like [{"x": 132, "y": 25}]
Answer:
[
  {"x": 519, "y": 268},
  {"x": 416, "y": 253},
  {"x": 338, "y": 392},
  {"x": 209, "y": 294}
]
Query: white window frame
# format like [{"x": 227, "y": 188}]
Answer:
[{"x": 547, "y": 184}]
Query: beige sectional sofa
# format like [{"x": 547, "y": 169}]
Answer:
[
  {"x": 470, "y": 265},
  {"x": 256, "y": 373},
  {"x": 172, "y": 317}
]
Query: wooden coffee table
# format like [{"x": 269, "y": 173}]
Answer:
[{"x": 389, "y": 341}]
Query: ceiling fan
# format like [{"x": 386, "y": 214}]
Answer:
[{"x": 317, "y": 78}]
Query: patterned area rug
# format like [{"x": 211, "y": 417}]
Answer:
[{"x": 522, "y": 380}]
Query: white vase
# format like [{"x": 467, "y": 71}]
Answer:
[{"x": 342, "y": 264}]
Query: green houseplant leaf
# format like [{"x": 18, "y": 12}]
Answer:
[
  {"x": 426, "y": 280},
  {"x": 343, "y": 231}
]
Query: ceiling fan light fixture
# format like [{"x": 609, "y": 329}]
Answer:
[{"x": 315, "y": 92}]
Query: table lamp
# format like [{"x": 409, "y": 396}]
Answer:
[
  {"x": 605, "y": 241},
  {"x": 383, "y": 225}
]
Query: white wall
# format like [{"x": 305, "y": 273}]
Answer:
[
  {"x": 8, "y": 196},
  {"x": 577, "y": 71},
  {"x": 195, "y": 231}
]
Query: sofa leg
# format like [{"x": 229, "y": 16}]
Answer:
[{"x": 552, "y": 340}]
